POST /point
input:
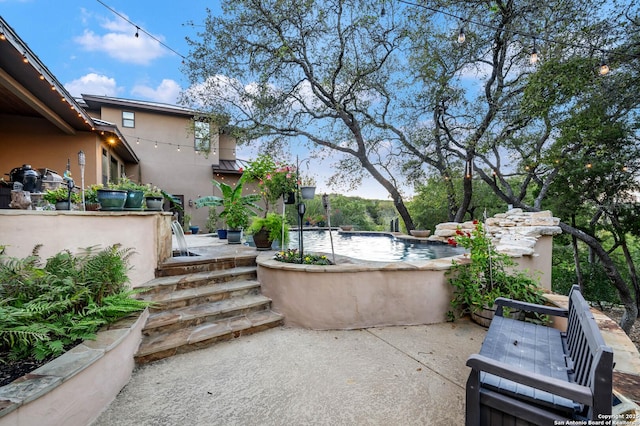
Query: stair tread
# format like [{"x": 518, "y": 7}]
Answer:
[
  {"x": 196, "y": 276},
  {"x": 186, "y": 313},
  {"x": 206, "y": 331},
  {"x": 201, "y": 291}
]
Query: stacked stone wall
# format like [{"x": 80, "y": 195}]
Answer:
[{"x": 514, "y": 232}]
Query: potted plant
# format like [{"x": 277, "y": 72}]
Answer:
[
  {"x": 236, "y": 208},
  {"x": 153, "y": 198},
  {"x": 275, "y": 180},
  {"x": 91, "y": 202},
  {"x": 266, "y": 230},
  {"x": 487, "y": 276},
  {"x": 61, "y": 197},
  {"x": 307, "y": 187},
  {"x": 135, "y": 193}
]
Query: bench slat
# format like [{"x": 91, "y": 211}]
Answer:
[{"x": 529, "y": 347}]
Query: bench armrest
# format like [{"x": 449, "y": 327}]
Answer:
[
  {"x": 530, "y": 307},
  {"x": 573, "y": 391}
]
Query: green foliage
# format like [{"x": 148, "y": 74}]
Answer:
[
  {"x": 595, "y": 285},
  {"x": 274, "y": 179},
  {"x": 487, "y": 276},
  {"x": 237, "y": 208},
  {"x": 127, "y": 184},
  {"x": 293, "y": 256},
  {"x": 272, "y": 223},
  {"x": 365, "y": 215},
  {"x": 60, "y": 194},
  {"x": 212, "y": 220},
  {"x": 44, "y": 309}
]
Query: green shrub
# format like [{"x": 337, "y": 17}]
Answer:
[{"x": 46, "y": 308}]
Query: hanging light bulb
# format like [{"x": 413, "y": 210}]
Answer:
[
  {"x": 178, "y": 148},
  {"x": 461, "y": 36},
  {"x": 2, "y": 36},
  {"x": 534, "y": 54},
  {"x": 382, "y": 11},
  {"x": 156, "y": 145},
  {"x": 137, "y": 29},
  {"x": 604, "y": 68},
  {"x": 24, "y": 58}
]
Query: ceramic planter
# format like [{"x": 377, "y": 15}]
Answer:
[
  {"x": 261, "y": 240},
  {"x": 154, "y": 203},
  {"x": 63, "y": 205},
  {"x": 234, "y": 236},
  {"x": 111, "y": 199},
  {"x": 134, "y": 200},
  {"x": 308, "y": 192},
  {"x": 222, "y": 234}
]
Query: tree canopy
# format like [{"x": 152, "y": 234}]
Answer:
[{"x": 387, "y": 86}]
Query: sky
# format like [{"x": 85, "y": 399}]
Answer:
[{"x": 92, "y": 50}]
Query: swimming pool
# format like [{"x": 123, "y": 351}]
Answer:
[{"x": 377, "y": 247}]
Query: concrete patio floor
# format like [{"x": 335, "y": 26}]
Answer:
[{"x": 408, "y": 375}]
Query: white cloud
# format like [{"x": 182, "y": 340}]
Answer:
[
  {"x": 120, "y": 42},
  {"x": 93, "y": 84},
  {"x": 166, "y": 92}
]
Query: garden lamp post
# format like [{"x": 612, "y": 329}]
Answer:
[{"x": 82, "y": 161}]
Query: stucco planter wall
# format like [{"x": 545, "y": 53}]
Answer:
[
  {"x": 355, "y": 295},
  {"x": 76, "y": 387},
  {"x": 148, "y": 233}
]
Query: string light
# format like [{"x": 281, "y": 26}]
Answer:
[
  {"x": 461, "y": 36},
  {"x": 534, "y": 54},
  {"x": 178, "y": 148},
  {"x": 156, "y": 145},
  {"x": 604, "y": 68},
  {"x": 24, "y": 58},
  {"x": 138, "y": 29}
]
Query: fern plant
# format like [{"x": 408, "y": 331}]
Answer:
[{"x": 45, "y": 309}]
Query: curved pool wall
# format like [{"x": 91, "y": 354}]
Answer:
[
  {"x": 359, "y": 294},
  {"x": 355, "y": 294}
]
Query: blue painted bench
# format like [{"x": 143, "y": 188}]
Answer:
[{"x": 528, "y": 373}]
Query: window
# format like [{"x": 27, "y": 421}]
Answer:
[
  {"x": 128, "y": 119},
  {"x": 105, "y": 167},
  {"x": 202, "y": 136}
]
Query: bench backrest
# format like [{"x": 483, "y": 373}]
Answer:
[{"x": 592, "y": 358}]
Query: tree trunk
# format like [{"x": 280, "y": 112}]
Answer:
[
  {"x": 576, "y": 257},
  {"x": 630, "y": 307}
]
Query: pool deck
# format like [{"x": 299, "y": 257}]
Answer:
[{"x": 408, "y": 375}]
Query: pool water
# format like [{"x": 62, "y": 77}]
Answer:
[{"x": 373, "y": 247}]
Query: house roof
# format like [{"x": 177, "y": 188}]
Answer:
[
  {"x": 231, "y": 167},
  {"x": 28, "y": 88},
  {"x": 95, "y": 102}
]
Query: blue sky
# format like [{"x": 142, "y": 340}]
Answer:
[{"x": 92, "y": 50}]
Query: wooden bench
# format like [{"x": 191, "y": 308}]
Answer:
[{"x": 528, "y": 373}]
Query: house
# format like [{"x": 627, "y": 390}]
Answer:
[
  {"x": 42, "y": 125},
  {"x": 176, "y": 153}
]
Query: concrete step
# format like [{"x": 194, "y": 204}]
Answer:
[
  {"x": 200, "y": 295},
  {"x": 203, "y": 335},
  {"x": 192, "y": 264},
  {"x": 192, "y": 316},
  {"x": 169, "y": 284}
]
